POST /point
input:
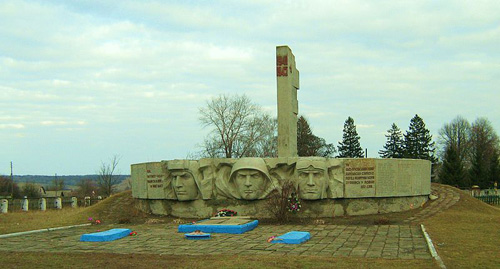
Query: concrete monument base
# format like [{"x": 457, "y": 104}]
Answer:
[
  {"x": 327, "y": 208},
  {"x": 325, "y": 187}
]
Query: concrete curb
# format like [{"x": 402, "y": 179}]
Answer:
[
  {"x": 432, "y": 249},
  {"x": 43, "y": 230}
]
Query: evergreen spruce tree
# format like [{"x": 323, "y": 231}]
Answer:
[
  {"x": 310, "y": 145},
  {"x": 350, "y": 146},
  {"x": 418, "y": 141},
  {"x": 452, "y": 171},
  {"x": 393, "y": 147},
  {"x": 305, "y": 138},
  {"x": 495, "y": 167},
  {"x": 479, "y": 169}
]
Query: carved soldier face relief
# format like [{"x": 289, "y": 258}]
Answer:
[
  {"x": 250, "y": 183},
  {"x": 184, "y": 185},
  {"x": 312, "y": 183}
]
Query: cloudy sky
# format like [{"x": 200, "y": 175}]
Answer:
[{"x": 82, "y": 81}]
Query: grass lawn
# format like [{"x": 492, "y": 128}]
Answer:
[
  {"x": 107, "y": 260},
  {"x": 466, "y": 236}
]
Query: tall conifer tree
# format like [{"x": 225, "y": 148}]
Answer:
[
  {"x": 310, "y": 145},
  {"x": 495, "y": 167},
  {"x": 350, "y": 146},
  {"x": 452, "y": 171},
  {"x": 393, "y": 147},
  {"x": 418, "y": 141}
]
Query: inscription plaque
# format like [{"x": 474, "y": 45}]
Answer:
[
  {"x": 359, "y": 178},
  {"x": 155, "y": 181}
]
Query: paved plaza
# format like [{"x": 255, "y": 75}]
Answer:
[
  {"x": 404, "y": 241},
  {"x": 385, "y": 241}
]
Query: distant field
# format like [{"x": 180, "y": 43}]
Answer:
[{"x": 71, "y": 180}]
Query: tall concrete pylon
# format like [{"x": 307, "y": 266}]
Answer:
[{"x": 287, "y": 77}]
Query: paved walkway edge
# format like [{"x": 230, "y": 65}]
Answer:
[
  {"x": 43, "y": 230},
  {"x": 431, "y": 248}
]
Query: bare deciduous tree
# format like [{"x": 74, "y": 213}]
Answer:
[
  {"x": 107, "y": 177},
  {"x": 57, "y": 185},
  {"x": 31, "y": 190},
  {"x": 470, "y": 153},
  {"x": 268, "y": 145},
  {"x": 456, "y": 134},
  {"x": 278, "y": 203},
  {"x": 9, "y": 188},
  {"x": 240, "y": 128},
  {"x": 484, "y": 153},
  {"x": 86, "y": 187}
]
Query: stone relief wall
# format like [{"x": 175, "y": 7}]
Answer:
[{"x": 251, "y": 179}]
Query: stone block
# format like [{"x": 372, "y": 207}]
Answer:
[
  {"x": 147, "y": 180},
  {"x": 362, "y": 207},
  {"x": 157, "y": 207},
  {"x": 193, "y": 209}
]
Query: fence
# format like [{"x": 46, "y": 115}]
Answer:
[
  {"x": 50, "y": 203},
  {"x": 489, "y": 199}
]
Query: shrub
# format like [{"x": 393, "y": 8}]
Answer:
[{"x": 282, "y": 204}]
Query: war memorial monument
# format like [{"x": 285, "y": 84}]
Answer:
[{"x": 328, "y": 187}]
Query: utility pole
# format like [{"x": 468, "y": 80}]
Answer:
[
  {"x": 56, "y": 183},
  {"x": 11, "y": 182}
]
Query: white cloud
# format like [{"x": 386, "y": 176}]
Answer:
[
  {"x": 12, "y": 126},
  {"x": 49, "y": 123},
  {"x": 61, "y": 123}
]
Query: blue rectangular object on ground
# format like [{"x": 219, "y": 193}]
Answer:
[
  {"x": 197, "y": 236},
  {"x": 108, "y": 235},
  {"x": 209, "y": 228},
  {"x": 292, "y": 237}
]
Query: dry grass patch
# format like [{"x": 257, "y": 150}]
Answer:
[
  {"x": 34, "y": 220},
  {"x": 118, "y": 208},
  {"x": 467, "y": 234},
  {"x": 109, "y": 260}
]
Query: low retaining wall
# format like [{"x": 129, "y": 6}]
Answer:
[
  {"x": 44, "y": 203},
  {"x": 257, "y": 209}
]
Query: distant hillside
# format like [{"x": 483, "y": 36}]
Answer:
[{"x": 68, "y": 180}]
